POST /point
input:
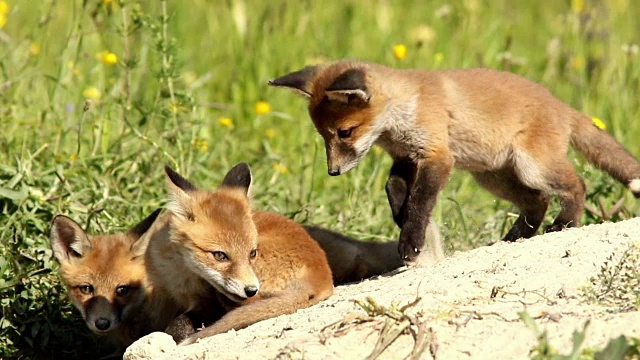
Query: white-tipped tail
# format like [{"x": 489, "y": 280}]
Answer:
[{"x": 634, "y": 186}]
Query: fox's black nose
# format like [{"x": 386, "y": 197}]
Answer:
[
  {"x": 250, "y": 291},
  {"x": 334, "y": 172},
  {"x": 102, "y": 324}
]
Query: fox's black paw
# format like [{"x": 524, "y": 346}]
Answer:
[
  {"x": 554, "y": 228},
  {"x": 410, "y": 247}
]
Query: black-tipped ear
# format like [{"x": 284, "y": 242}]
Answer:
[
  {"x": 349, "y": 88},
  {"x": 144, "y": 225},
  {"x": 178, "y": 180},
  {"x": 139, "y": 246},
  {"x": 299, "y": 81},
  {"x": 238, "y": 176},
  {"x": 68, "y": 240}
]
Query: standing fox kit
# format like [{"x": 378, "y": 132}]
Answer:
[
  {"x": 258, "y": 264},
  {"x": 107, "y": 280},
  {"x": 510, "y": 133}
]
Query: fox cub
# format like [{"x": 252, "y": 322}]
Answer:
[
  {"x": 107, "y": 280},
  {"x": 510, "y": 133},
  {"x": 211, "y": 244}
]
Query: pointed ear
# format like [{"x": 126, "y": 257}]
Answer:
[
  {"x": 239, "y": 176},
  {"x": 68, "y": 240},
  {"x": 180, "y": 203},
  {"x": 178, "y": 180},
  {"x": 139, "y": 246},
  {"x": 144, "y": 225},
  {"x": 299, "y": 81},
  {"x": 349, "y": 88}
]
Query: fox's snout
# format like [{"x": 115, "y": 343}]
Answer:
[
  {"x": 102, "y": 324},
  {"x": 250, "y": 291},
  {"x": 100, "y": 315},
  {"x": 341, "y": 158}
]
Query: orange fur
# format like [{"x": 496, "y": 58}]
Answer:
[
  {"x": 209, "y": 251},
  {"x": 511, "y": 133},
  {"x": 107, "y": 281}
]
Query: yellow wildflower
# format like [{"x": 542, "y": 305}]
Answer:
[
  {"x": 34, "y": 49},
  {"x": 400, "y": 51},
  {"x": 438, "y": 58},
  {"x": 599, "y": 123},
  {"x": 176, "y": 107},
  {"x": 262, "y": 107},
  {"x": 4, "y": 10},
  {"x": 106, "y": 1},
  {"x": 107, "y": 57},
  {"x": 72, "y": 66},
  {"x": 280, "y": 168},
  {"x": 92, "y": 93},
  {"x": 577, "y": 62},
  {"x": 577, "y": 6},
  {"x": 73, "y": 157},
  {"x": 226, "y": 122},
  {"x": 4, "y": 7},
  {"x": 201, "y": 144}
]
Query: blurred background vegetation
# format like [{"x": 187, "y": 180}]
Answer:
[{"x": 96, "y": 95}]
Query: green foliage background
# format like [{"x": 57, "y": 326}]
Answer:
[{"x": 184, "y": 65}]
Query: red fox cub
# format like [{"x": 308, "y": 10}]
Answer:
[
  {"x": 106, "y": 279},
  {"x": 510, "y": 133},
  {"x": 260, "y": 264}
]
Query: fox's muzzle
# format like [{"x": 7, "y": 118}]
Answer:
[
  {"x": 101, "y": 316},
  {"x": 334, "y": 172},
  {"x": 340, "y": 159}
]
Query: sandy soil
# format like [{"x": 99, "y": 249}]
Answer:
[{"x": 468, "y": 307}]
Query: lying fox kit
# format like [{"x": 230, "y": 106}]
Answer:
[
  {"x": 106, "y": 279},
  {"x": 509, "y": 132},
  {"x": 260, "y": 264}
]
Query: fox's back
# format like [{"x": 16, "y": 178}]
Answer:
[{"x": 286, "y": 251}]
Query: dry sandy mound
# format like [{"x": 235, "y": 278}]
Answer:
[{"x": 468, "y": 307}]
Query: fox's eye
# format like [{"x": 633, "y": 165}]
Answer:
[
  {"x": 220, "y": 256},
  {"x": 253, "y": 253},
  {"x": 122, "y": 290},
  {"x": 86, "y": 289},
  {"x": 344, "y": 133}
]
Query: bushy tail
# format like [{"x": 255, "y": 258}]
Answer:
[
  {"x": 606, "y": 153},
  {"x": 351, "y": 260}
]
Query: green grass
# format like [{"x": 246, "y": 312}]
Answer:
[{"x": 178, "y": 74}]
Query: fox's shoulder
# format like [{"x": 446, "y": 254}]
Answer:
[{"x": 268, "y": 222}]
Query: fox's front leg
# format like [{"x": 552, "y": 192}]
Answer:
[
  {"x": 397, "y": 188},
  {"x": 430, "y": 176}
]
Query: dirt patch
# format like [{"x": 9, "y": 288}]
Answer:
[{"x": 468, "y": 307}]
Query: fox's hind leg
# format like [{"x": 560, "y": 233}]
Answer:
[
  {"x": 569, "y": 187},
  {"x": 532, "y": 203}
]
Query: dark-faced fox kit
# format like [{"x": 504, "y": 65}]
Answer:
[
  {"x": 510, "y": 133},
  {"x": 107, "y": 280}
]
